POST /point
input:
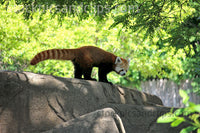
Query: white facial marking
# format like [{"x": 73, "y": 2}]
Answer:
[
  {"x": 122, "y": 73},
  {"x": 117, "y": 69},
  {"x": 120, "y": 67}
]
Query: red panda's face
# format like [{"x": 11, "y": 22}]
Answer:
[{"x": 121, "y": 66}]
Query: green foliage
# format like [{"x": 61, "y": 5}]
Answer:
[
  {"x": 21, "y": 39},
  {"x": 189, "y": 115},
  {"x": 161, "y": 40}
]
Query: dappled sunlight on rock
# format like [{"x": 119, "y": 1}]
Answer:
[{"x": 36, "y": 103}]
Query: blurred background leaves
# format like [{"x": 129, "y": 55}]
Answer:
[{"x": 160, "y": 37}]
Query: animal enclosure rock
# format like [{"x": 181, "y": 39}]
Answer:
[
  {"x": 34, "y": 103},
  {"x": 100, "y": 121}
]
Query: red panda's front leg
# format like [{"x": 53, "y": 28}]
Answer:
[{"x": 103, "y": 71}]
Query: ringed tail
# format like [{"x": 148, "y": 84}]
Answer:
[{"x": 57, "y": 54}]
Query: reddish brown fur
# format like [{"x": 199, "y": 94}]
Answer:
[
  {"x": 59, "y": 54},
  {"x": 84, "y": 59},
  {"x": 88, "y": 55}
]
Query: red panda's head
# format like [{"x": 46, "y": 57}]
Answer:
[{"x": 121, "y": 66}]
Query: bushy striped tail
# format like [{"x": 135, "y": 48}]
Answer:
[{"x": 57, "y": 54}]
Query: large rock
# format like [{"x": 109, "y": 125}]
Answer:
[
  {"x": 100, "y": 121},
  {"x": 32, "y": 103}
]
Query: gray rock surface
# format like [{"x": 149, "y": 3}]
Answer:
[
  {"x": 100, "y": 121},
  {"x": 33, "y": 103}
]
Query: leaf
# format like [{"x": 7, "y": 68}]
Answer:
[
  {"x": 191, "y": 104},
  {"x": 184, "y": 95},
  {"x": 177, "y": 122},
  {"x": 192, "y": 109},
  {"x": 166, "y": 118},
  {"x": 188, "y": 129},
  {"x": 198, "y": 130},
  {"x": 195, "y": 118},
  {"x": 197, "y": 108},
  {"x": 179, "y": 111}
]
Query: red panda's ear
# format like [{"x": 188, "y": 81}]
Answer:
[
  {"x": 118, "y": 60},
  {"x": 129, "y": 60}
]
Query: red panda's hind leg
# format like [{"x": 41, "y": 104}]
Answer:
[
  {"x": 87, "y": 74},
  {"x": 78, "y": 72}
]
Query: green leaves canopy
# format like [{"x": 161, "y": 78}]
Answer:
[{"x": 161, "y": 37}]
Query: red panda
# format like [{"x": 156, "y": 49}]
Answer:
[{"x": 84, "y": 59}]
